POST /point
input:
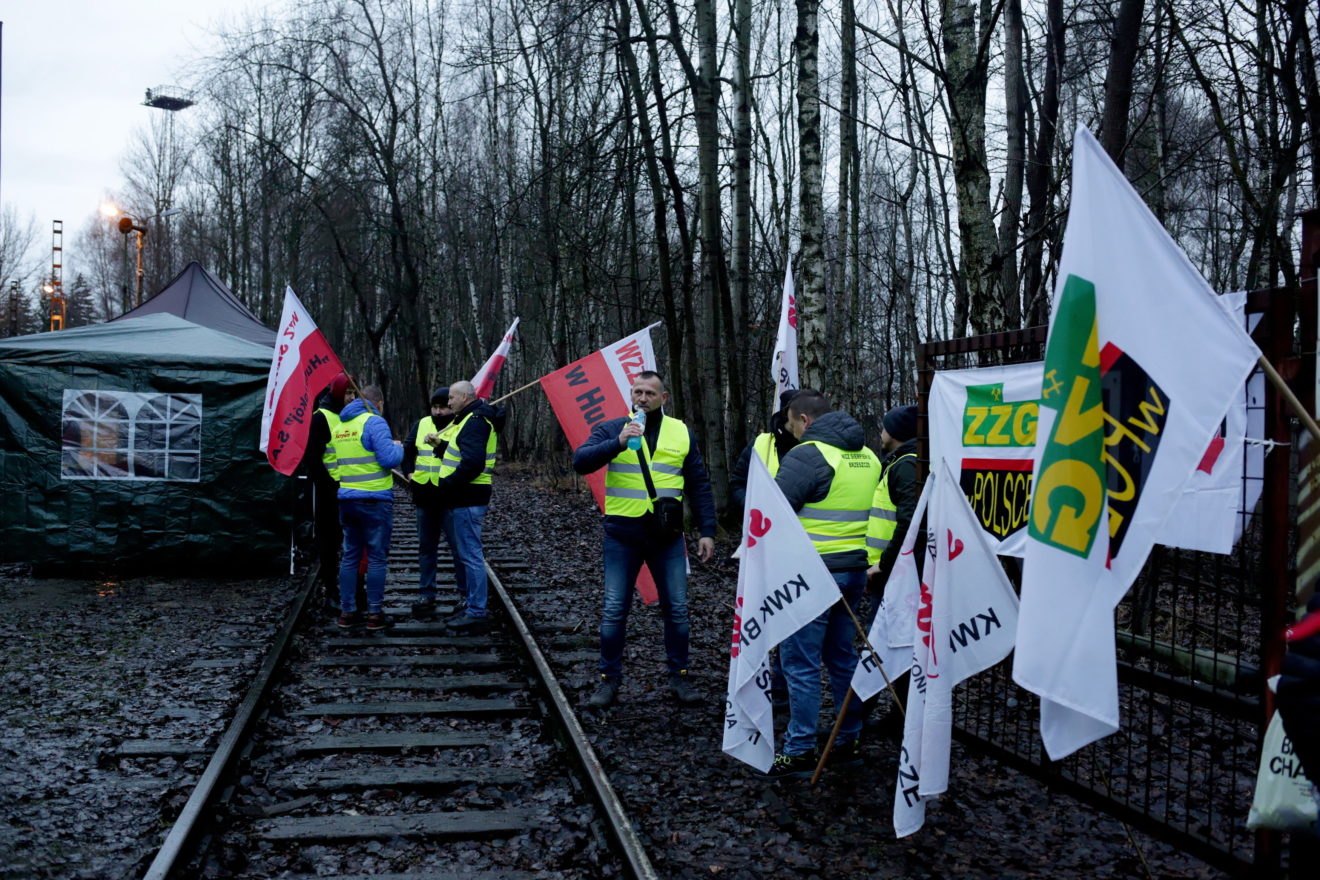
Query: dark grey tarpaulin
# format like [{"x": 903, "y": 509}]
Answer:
[
  {"x": 198, "y": 296},
  {"x": 133, "y": 445}
]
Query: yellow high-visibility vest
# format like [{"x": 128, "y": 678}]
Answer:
[
  {"x": 357, "y": 467},
  {"x": 884, "y": 516},
  {"x": 427, "y": 469},
  {"x": 837, "y": 523},
  {"x": 625, "y": 487},
  {"x": 452, "y": 457}
]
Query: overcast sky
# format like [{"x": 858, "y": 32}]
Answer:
[{"x": 74, "y": 77}]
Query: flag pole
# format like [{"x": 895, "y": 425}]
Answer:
[
  {"x": 516, "y": 391},
  {"x": 838, "y": 722},
  {"x": 1287, "y": 393}
]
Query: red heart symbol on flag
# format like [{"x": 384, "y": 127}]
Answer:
[
  {"x": 757, "y": 528},
  {"x": 955, "y": 546}
]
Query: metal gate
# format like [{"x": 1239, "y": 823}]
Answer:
[{"x": 1197, "y": 634}]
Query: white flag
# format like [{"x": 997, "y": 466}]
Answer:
[
  {"x": 974, "y": 618},
  {"x": 966, "y": 624},
  {"x": 783, "y": 585},
  {"x": 891, "y": 631},
  {"x": 1141, "y": 366},
  {"x": 784, "y": 362},
  {"x": 484, "y": 381}
]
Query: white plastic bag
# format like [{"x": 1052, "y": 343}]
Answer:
[{"x": 1285, "y": 799}]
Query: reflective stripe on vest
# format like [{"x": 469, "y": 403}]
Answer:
[
  {"x": 427, "y": 468},
  {"x": 837, "y": 523},
  {"x": 330, "y": 458},
  {"x": 453, "y": 456},
  {"x": 884, "y": 516},
  {"x": 767, "y": 451},
  {"x": 357, "y": 467},
  {"x": 625, "y": 487}
]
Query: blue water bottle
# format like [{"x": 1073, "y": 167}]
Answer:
[{"x": 635, "y": 443}]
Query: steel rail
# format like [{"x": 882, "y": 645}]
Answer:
[
  {"x": 625, "y": 837},
  {"x": 178, "y": 843}
]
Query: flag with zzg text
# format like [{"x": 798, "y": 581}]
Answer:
[
  {"x": 1141, "y": 365},
  {"x": 784, "y": 362},
  {"x": 484, "y": 381},
  {"x": 783, "y": 584},
  {"x": 301, "y": 366}
]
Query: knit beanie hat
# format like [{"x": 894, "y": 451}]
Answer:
[
  {"x": 785, "y": 398},
  {"x": 901, "y": 422},
  {"x": 440, "y": 396},
  {"x": 339, "y": 387}
]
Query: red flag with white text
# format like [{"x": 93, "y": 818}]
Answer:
[
  {"x": 302, "y": 365},
  {"x": 596, "y": 388},
  {"x": 484, "y": 381}
]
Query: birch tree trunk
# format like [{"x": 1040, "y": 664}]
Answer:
[{"x": 811, "y": 266}]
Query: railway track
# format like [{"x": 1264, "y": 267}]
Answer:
[{"x": 411, "y": 752}]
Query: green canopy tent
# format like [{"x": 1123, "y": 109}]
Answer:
[{"x": 134, "y": 444}]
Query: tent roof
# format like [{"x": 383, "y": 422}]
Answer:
[
  {"x": 162, "y": 337},
  {"x": 198, "y": 296}
]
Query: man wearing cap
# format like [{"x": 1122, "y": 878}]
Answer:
[
  {"x": 891, "y": 515},
  {"x": 318, "y": 464},
  {"x": 421, "y": 459},
  {"x": 829, "y": 480},
  {"x": 467, "y": 464},
  {"x": 895, "y": 497},
  {"x": 770, "y": 446}
]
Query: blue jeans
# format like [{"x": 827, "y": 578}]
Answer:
[
  {"x": 828, "y": 638},
  {"x": 463, "y": 532},
  {"x": 367, "y": 524},
  {"x": 668, "y": 563},
  {"x": 430, "y": 524}
]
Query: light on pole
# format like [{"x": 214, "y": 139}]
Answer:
[{"x": 126, "y": 225}]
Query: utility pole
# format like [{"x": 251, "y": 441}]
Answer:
[{"x": 55, "y": 287}]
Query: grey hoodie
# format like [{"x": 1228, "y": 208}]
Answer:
[{"x": 804, "y": 476}]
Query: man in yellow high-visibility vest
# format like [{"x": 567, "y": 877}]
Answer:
[
  {"x": 318, "y": 464},
  {"x": 467, "y": 465},
  {"x": 365, "y": 451},
  {"x": 645, "y": 526},
  {"x": 829, "y": 479},
  {"x": 421, "y": 461}
]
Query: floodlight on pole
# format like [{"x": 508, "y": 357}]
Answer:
[{"x": 127, "y": 224}]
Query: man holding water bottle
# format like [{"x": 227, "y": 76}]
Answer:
[{"x": 652, "y": 464}]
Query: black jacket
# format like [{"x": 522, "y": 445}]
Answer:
[
  {"x": 603, "y": 445},
  {"x": 784, "y": 441},
  {"x": 805, "y": 477},
  {"x": 457, "y": 489},
  {"x": 904, "y": 490}
]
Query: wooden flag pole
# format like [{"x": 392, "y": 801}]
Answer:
[
  {"x": 838, "y": 722},
  {"x": 516, "y": 391},
  {"x": 1293, "y": 403}
]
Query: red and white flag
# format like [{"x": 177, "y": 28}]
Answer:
[
  {"x": 302, "y": 365},
  {"x": 484, "y": 381},
  {"x": 784, "y": 362},
  {"x": 783, "y": 585},
  {"x": 596, "y": 388}
]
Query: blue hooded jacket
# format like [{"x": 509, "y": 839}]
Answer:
[{"x": 377, "y": 438}]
